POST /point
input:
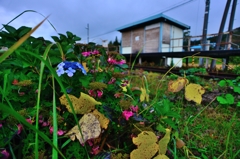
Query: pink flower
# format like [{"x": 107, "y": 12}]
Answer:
[
  {"x": 86, "y": 54},
  {"x": 121, "y": 62},
  {"x": 112, "y": 80},
  {"x": 59, "y": 132},
  {"x": 21, "y": 93},
  {"x": 127, "y": 114},
  {"x": 134, "y": 109},
  {"x": 92, "y": 93},
  {"x": 118, "y": 95},
  {"x": 29, "y": 120},
  {"x": 95, "y": 150},
  {"x": 124, "y": 83},
  {"x": 111, "y": 61},
  {"x": 36, "y": 91},
  {"x": 95, "y": 52},
  {"x": 20, "y": 128},
  {"x": 0, "y": 125},
  {"x": 99, "y": 93},
  {"x": 90, "y": 142},
  {"x": 5, "y": 154},
  {"x": 15, "y": 82},
  {"x": 45, "y": 123},
  {"x": 51, "y": 129}
]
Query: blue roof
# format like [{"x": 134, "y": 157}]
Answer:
[
  {"x": 153, "y": 19},
  {"x": 196, "y": 47}
]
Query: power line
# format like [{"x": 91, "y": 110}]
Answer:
[{"x": 184, "y": 2}]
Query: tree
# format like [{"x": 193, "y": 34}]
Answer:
[{"x": 116, "y": 43}]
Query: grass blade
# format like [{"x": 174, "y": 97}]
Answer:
[
  {"x": 26, "y": 12},
  {"x": 55, "y": 124},
  {"x": 39, "y": 96},
  {"x": 19, "y": 42}
]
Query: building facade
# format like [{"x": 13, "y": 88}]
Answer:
[{"x": 156, "y": 34}]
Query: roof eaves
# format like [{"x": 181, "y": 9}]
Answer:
[{"x": 152, "y": 18}]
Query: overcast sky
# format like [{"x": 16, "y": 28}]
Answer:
[{"x": 104, "y": 16}]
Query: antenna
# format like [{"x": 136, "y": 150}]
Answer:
[{"x": 87, "y": 33}]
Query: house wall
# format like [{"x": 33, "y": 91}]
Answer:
[
  {"x": 176, "y": 41},
  {"x": 176, "y": 45},
  {"x": 158, "y": 37},
  {"x": 151, "y": 42},
  {"x": 137, "y": 40},
  {"x": 126, "y": 42}
]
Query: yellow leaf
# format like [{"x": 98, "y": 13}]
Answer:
[
  {"x": 163, "y": 143},
  {"x": 85, "y": 66},
  {"x": 99, "y": 69},
  {"x": 193, "y": 92},
  {"x": 147, "y": 147},
  {"x": 124, "y": 89},
  {"x": 82, "y": 105},
  {"x": 161, "y": 157},
  {"x": 24, "y": 83},
  {"x": 90, "y": 128},
  {"x": 176, "y": 86},
  {"x": 102, "y": 119},
  {"x": 144, "y": 95}
]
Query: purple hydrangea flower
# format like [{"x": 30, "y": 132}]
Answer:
[
  {"x": 70, "y": 72},
  {"x": 60, "y": 65},
  {"x": 60, "y": 71},
  {"x": 69, "y": 68},
  {"x": 81, "y": 68}
]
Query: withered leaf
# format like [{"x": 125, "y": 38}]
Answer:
[
  {"x": 90, "y": 128},
  {"x": 82, "y": 105}
]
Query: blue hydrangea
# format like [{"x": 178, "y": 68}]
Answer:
[
  {"x": 60, "y": 71},
  {"x": 70, "y": 71},
  {"x": 69, "y": 68}
]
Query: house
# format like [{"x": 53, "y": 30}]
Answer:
[{"x": 155, "y": 34}]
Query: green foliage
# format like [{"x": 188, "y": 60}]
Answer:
[
  {"x": 228, "y": 99},
  {"x": 232, "y": 86}
]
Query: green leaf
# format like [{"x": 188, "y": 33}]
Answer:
[
  {"x": 85, "y": 80},
  {"x": 204, "y": 156},
  {"x": 173, "y": 114},
  {"x": 222, "y": 100},
  {"x": 55, "y": 38},
  {"x": 170, "y": 122},
  {"x": 236, "y": 89},
  {"x": 160, "y": 128},
  {"x": 69, "y": 34},
  {"x": 23, "y": 30},
  {"x": 62, "y": 37},
  {"x": 222, "y": 83},
  {"x": 123, "y": 66},
  {"x": 66, "y": 143},
  {"x": 230, "y": 98},
  {"x": 10, "y": 29},
  {"x": 76, "y": 38},
  {"x": 238, "y": 104},
  {"x": 230, "y": 83}
]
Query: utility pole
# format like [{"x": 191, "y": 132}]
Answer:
[
  {"x": 220, "y": 33},
  {"x": 229, "y": 36},
  {"x": 204, "y": 34},
  {"x": 87, "y": 33}
]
